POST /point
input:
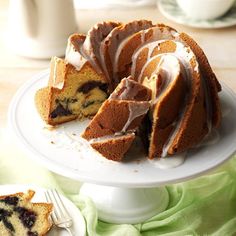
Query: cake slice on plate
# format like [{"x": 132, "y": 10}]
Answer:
[{"x": 19, "y": 216}]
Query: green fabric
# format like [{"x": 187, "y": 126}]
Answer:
[{"x": 203, "y": 206}]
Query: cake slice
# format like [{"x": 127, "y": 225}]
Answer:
[
  {"x": 115, "y": 124},
  {"x": 113, "y": 147},
  {"x": 20, "y": 217},
  {"x": 71, "y": 93}
]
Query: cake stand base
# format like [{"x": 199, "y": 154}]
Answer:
[{"x": 126, "y": 205}]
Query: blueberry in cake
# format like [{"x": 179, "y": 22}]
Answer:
[{"x": 20, "y": 217}]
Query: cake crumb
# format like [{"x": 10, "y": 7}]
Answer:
[
  {"x": 49, "y": 127},
  {"x": 52, "y": 142},
  {"x": 73, "y": 134},
  {"x": 135, "y": 171}
]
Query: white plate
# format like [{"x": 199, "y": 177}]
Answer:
[
  {"x": 171, "y": 10},
  {"x": 78, "y": 221},
  {"x": 57, "y": 151}
]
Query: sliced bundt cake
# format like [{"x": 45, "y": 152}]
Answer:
[
  {"x": 113, "y": 128},
  {"x": 184, "y": 108},
  {"x": 113, "y": 147},
  {"x": 20, "y": 217}
]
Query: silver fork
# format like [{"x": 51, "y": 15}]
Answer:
[{"x": 60, "y": 215}]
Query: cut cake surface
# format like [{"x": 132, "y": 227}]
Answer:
[
  {"x": 20, "y": 217},
  {"x": 118, "y": 119}
]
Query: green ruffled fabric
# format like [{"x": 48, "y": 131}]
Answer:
[{"x": 203, "y": 206}]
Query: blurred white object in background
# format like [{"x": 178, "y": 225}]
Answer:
[
  {"x": 98, "y": 4},
  {"x": 40, "y": 28},
  {"x": 205, "y": 9}
]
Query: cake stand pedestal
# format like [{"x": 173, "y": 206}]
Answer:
[
  {"x": 129, "y": 192},
  {"x": 126, "y": 205}
]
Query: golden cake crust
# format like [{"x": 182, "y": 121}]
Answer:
[
  {"x": 112, "y": 130},
  {"x": 118, "y": 110},
  {"x": 213, "y": 83},
  {"x": 114, "y": 149}
]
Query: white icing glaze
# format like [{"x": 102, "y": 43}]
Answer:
[
  {"x": 135, "y": 110},
  {"x": 55, "y": 83},
  {"x": 93, "y": 43},
  {"x": 115, "y": 136},
  {"x": 143, "y": 34},
  {"x": 171, "y": 138},
  {"x": 182, "y": 52},
  {"x": 168, "y": 68},
  {"x": 102, "y": 61},
  {"x": 157, "y": 36},
  {"x": 126, "y": 90},
  {"x": 210, "y": 139},
  {"x": 196, "y": 68},
  {"x": 184, "y": 55},
  {"x": 168, "y": 162},
  {"x": 73, "y": 57},
  {"x": 91, "y": 59},
  {"x": 117, "y": 46},
  {"x": 117, "y": 54},
  {"x": 175, "y": 34},
  {"x": 79, "y": 58},
  {"x": 59, "y": 85},
  {"x": 168, "y": 63}
]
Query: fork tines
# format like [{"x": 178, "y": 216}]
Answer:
[{"x": 60, "y": 213}]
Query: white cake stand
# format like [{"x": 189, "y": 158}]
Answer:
[{"x": 129, "y": 192}]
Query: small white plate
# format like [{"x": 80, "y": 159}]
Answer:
[
  {"x": 63, "y": 151},
  {"x": 171, "y": 10},
  {"x": 78, "y": 228}
]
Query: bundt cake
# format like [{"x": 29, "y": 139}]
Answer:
[
  {"x": 184, "y": 105},
  {"x": 20, "y": 217}
]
